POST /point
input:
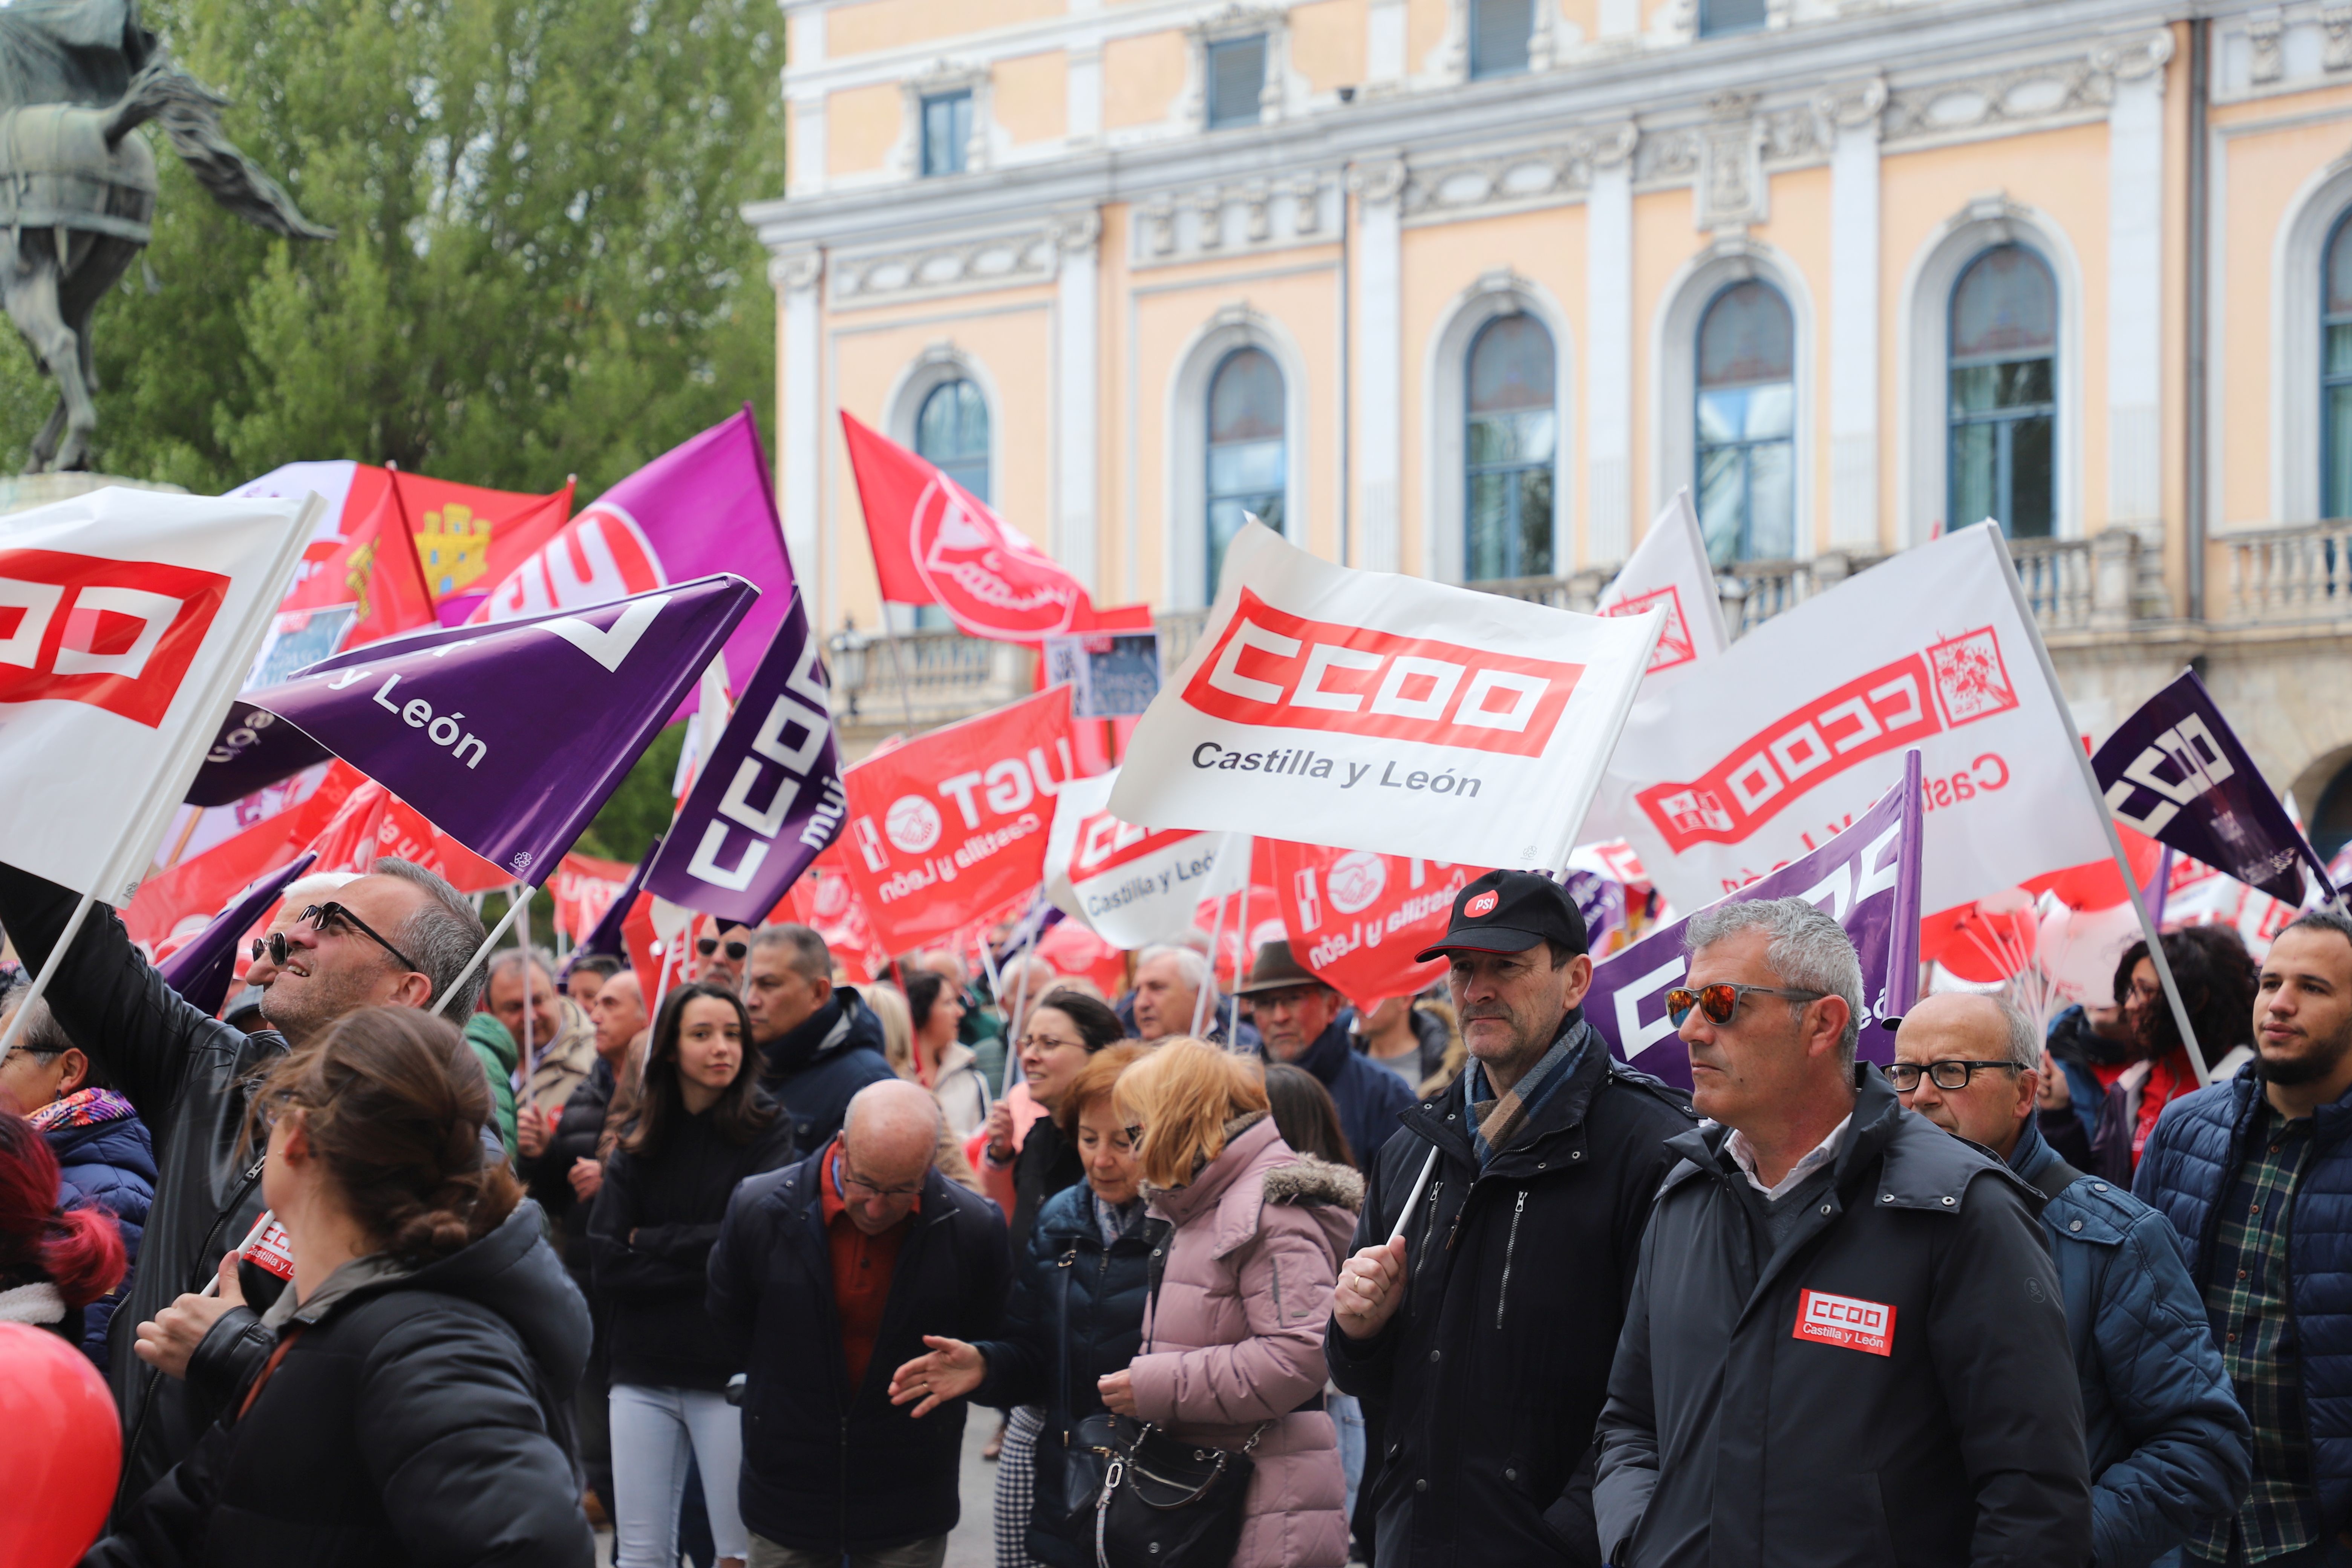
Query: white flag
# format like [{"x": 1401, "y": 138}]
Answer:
[
  {"x": 1366, "y": 711},
  {"x": 136, "y": 614},
  {"x": 1669, "y": 570},
  {"x": 1132, "y": 886},
  {"x": 1795, "y": 730}
]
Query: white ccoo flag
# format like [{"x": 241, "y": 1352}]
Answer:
[
  {"x": 1669, "y": 570},
  {"x": 1130, "y": 885}
]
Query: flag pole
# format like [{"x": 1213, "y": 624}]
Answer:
[
  {"x": 2074, "y": 739},
  {"x": 49, "y": 968},
  {"x": 1216, "y": 938},
  {"x": 906, "y": 694},
  {"x": 1241, "y": 918},
  {"x": 514, "y": 910},
  {"x": 522, "y": 940}
]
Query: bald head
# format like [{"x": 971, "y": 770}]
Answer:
[
  {"x": 889, "y": 1140},
  {"x": 1994, "y": 1050}
]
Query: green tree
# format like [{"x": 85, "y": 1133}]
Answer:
[{"x": 540, "y": 268}]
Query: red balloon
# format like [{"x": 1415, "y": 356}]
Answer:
[
  {"x": 2096, "y": 884},
  {"x": 1980, "y": 945},
  {"x": 65, "y": 1449}
]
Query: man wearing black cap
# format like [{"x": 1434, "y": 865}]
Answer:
[
  {"x": 1298, "y": 1017},
  {"x": 1496, "y": 1248}
]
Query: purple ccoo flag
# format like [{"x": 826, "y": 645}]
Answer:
[
  {"x": 1867, "y": 877},
  {"x": 2176, "y": 770},
  {"x": 203, "y": 967},
  {"x": 510, "y": 737},
  {"x": 769, "y": 798}
]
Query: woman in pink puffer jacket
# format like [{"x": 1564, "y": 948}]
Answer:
[{"x": 1233, "y": 1341}]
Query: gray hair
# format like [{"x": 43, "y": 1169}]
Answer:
[
  {"x": 2024, "y": 1035},
  {"x": 807, "y": 953},
  {"x": 510, "y": 959},
  {"x": 441, "y": 937},
  {"x": 1808, "y": 952},
  {"x": 1192, "y": 965}
]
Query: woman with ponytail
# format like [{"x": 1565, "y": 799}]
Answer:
[
  {"x": 52, "y": 1263},
  {"x": 413, "y": 1406}
]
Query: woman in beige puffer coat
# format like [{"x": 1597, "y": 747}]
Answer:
[{"x": 1233, "y": 1338}]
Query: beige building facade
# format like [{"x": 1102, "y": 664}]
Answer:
[{"x": 1468, "y": 289}]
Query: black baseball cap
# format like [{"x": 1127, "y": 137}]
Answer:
[{"x": 1510, "y": 912}]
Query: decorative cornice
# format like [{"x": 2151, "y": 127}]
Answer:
[
  {"x": 1376, "y": 181},
  {"x": 1852, "y": 105},
  {"x": 1239, "y": 219},
  {"x": 796, "y": 269},
  {"x": 996, "y": 261}
]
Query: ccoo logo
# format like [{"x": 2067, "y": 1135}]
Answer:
[{"x": 118, "y": 634}]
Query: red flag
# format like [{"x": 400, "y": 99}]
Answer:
[
  {"x": 584, "y": 888},
  {"x": 952, "y": 826},
  {"x": 176, "y": 904},
  {"x": 469, "y": 538},
  {"x": 1356, "y": 919},
  {"x": 823, "y": 898},
  {"x": 937, "y": 544},
  {"x": 376, "y": 568},
  {"x": 348, "y": 842}
]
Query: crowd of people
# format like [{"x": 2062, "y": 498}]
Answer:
[{"x": 397, "y": 1262}]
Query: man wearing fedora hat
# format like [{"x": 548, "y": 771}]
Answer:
[
  {"x": 1495, "y": 1247},
  {"x": 1298, "y": 1017}
]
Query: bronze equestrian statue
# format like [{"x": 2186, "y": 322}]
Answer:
[{"x": 78, "y": 189}]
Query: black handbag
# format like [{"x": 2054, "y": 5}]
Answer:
[{"x": 1164, "y": 1502}]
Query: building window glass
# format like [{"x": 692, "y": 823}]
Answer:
[
  {"x": 1746, "y": 426},
  {"x": 1508, "y": 513},
  {"x": 1717, "y": 18},
  {"x": 1236, "y": 80},
  {"x": 1499, "y": 37},
  {"x": 1248, "y": 462},
  {"x": 2335, "y": 374},
  {"x": 2004, "y": 405},
  {"x": 946, "y": 132},
  {"x": 951, "y": 432}
]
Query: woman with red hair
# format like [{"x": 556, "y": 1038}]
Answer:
[{"x": 53, "y": 1262}]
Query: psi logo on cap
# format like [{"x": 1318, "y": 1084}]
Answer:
[{"x": 1484, "y": 904}]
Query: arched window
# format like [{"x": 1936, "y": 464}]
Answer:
[
  {"x": 2004, "y": 396},
  {"x": 951, "y": 432},
  {"x": 2335, "y": 373},
  {"x": 1747, "y": 425},
  {"x": 1247, "y": 459},
  {"x": 1507, "y": 523}
]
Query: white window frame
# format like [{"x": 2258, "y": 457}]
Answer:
[
  {"x": 1185, "y": 531},
  {"x": 1446, "y": 412},
  {"x": 2298, "y": 444}
]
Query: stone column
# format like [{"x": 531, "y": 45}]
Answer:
[
  {"x": 796, "y": 275},
  {"x": 1378, "y": 353},
  {"x": 1609, "y": 347},
  {"x": 2135, "y": 277},
  {"x": 1385, "y": 67},
  {"x": 1078, "y": 402},
  {"x": 1850, "y": 117}
]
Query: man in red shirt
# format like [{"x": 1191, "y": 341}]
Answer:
[{"x": 829, "y": 1274}]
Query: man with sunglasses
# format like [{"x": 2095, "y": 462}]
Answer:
[
  {"x": 2167, "y": 1442},
  {"x": 1481, "y": 1335},
  {"x": 1846, "y": 1343},
  {"x": 719, "y": 956},
  {"x": 397, "y": 937},
  {"x": 829, "y": 1275}
]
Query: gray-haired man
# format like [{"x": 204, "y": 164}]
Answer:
[{"x": 1846, "y": 1343}]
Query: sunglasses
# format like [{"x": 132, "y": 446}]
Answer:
[
  {"x": 324, "y": 918},
  {"x": 1721, "y": 1000},
  {"x": 709, "y": 945},
  {"x": 1904, "y": 1076}
]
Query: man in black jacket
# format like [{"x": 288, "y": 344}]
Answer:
[
  {"x": 826, "y": 1277},
  {"x": 399, "y": 938},
  {"x": 1847, "y": 1342},
  {"x": 1299, "y": 1018},
  {"x": 1481, "y": 1335},
  {"x": 820, "y": 1042}
]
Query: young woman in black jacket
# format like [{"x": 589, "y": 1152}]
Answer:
[
  {"x": 703, "y": 1125},
  {"x": 415, "y": 1404}
]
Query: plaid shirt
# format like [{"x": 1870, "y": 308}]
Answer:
[{"x": 2246, "y": 1298}]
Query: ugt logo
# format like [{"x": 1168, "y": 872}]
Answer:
[{"x": 118, "y": 634}]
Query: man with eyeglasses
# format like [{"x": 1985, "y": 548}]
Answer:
[
  {"x": 1846, "y": 1343},
  {"x": 829, "y": 1274},
  {"x": 397, "y": 937},
  {"x": 2167, "y": 1443},
  {"x": 1299, "y": 1017}
]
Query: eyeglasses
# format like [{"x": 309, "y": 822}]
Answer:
[
  {"x": 859, "y": 1183},
  {"x": 709, "y": 945},
  {"x": 1289, "y": 996},
  {"x": 324, "y": 918},
  {"x": 1904, "y": 1076},
  {"x": 1721, "y": 1000}
]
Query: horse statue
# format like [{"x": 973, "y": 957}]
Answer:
[{"x": 78, "y": 189}]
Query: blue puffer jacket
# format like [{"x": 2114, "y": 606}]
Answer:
[
  {"x": 2191, "y": 1158},
  {"x": 106, "y": 1159},
  {"x": 2168, "y": 1446}
]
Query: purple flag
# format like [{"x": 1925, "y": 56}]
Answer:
[
  {"x": 1867, "y": 877},
  {"x": 769, "y": 796},
  {"x": 607, "y": 937},
  {"x": 2175, "y": 771},
  {"x": 201, "y": 970},
  {"x": 509, "y": 737}
]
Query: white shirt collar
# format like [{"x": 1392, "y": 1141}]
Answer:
[{"x": 1743, "y": 1154}]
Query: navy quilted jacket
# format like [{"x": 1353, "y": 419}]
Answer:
[
  {"x": 2191, "y": 1158},
  {"x": 2168, "y": 1446},
  {"x": 106, "y": 1159}
]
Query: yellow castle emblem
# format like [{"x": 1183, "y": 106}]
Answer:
[{"x": 455, "y": 546}]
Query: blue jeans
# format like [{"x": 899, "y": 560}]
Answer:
[{"x": 1346, "y": 1413}]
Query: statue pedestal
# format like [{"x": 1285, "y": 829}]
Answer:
[{"x": 25, "y": 492}]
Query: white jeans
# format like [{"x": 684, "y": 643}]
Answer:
[{"x": 652, "y": 1429}]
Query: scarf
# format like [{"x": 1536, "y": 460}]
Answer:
[{"x": 1499, "y": 1119}]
